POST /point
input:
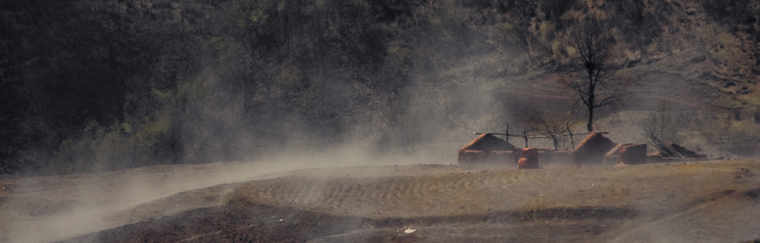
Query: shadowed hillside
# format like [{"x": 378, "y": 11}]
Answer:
[{"x": 102, "y": 85}]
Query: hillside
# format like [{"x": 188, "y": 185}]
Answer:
[{"x": 105, "y": 85}]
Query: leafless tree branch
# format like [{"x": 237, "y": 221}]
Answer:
[{"x": 591, "y": 42}]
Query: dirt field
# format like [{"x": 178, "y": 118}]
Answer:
[{"x": 237, "y": 202}]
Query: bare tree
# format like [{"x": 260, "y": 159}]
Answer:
[
  {"x": 592, "y": 45},
  {"x": 558, "y": 125},
  {"x": 660, "y": 128}
]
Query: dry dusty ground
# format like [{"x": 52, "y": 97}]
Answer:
[{"x": 236, "y": 202}]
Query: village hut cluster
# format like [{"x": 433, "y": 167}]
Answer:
[{"x": 490, "y": 151}]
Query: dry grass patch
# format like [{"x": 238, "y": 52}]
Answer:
[{"x": 455, "y": 191}]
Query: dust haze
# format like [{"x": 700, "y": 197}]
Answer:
[
  {"x": 46, "y": 209},
  {"x": 423, "y": 123},
  {"x": 357, "y": 110}
]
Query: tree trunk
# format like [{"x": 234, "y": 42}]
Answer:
[
  {"x": 589, "y": 125},
  {"x": 555, "y": 140},
  {"x": 591, "y": 105},
  {"x": 572, "y": 142}
]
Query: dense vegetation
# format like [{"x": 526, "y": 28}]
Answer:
[{"x": 99, "y": 85}]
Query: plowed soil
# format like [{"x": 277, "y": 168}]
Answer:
[{"x": 685, "y": 202}]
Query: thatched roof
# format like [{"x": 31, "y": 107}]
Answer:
[
  {"x": 487, "y": 143},
  {"x": 593, "y": 149}
]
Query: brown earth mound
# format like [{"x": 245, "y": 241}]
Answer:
[
  {"x": 592, "y": 149},
  {"x": 501, "y": 158},
  {"x": 615, "y": 151},
  {"x": 487, "y": 143},
  {"x": 471, "y": 157},
  {"x": 627, "y": 153},
  {"x": 495, "y": 158},
  {"x": 487, "y": 150},
  {"x": 633, "y": 154},
  {"x": 613, "y": 156},
  {"x": 528, "y": 159}
]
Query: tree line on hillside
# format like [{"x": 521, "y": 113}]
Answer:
[{"x": 91, "y": 85}]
